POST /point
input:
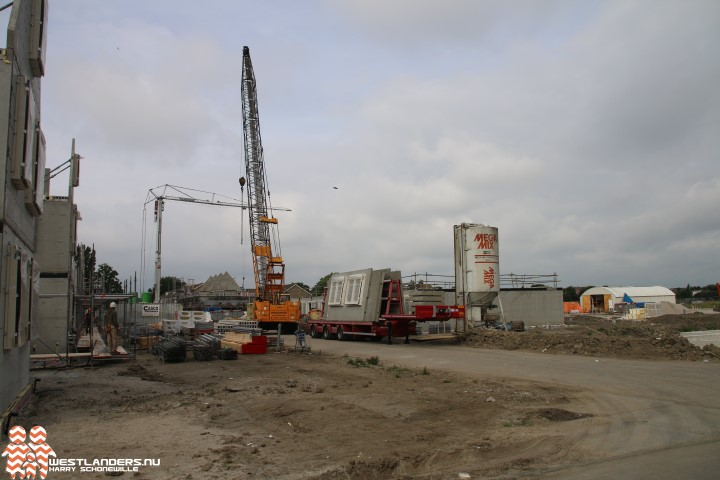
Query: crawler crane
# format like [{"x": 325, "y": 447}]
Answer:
[{"x": 271, "y": 309}]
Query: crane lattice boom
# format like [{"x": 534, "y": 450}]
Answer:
[{"x": 268, "y": 264}]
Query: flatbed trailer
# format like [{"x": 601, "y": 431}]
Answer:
[
  {"x": 376, "y": 311},
  {"x": 392, "y": 325}
]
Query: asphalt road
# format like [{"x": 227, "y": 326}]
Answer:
[{"x": 653, "y": 420}]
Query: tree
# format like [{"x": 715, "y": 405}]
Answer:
[
  {"x": 85, "y": 260},
  {"x": 168, "y": 284},
  {"x": 708, "y": 292},
  {"x": 572, "y": 293},
  {"x": 107, "y": 277},
  {"x": 684, "y": 293},
  {"x": 319, "y": 287}
]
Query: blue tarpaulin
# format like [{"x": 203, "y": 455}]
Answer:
[{"x": 627, "y": 299}]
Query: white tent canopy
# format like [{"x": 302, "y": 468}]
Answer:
[{"x": 605, "y": 298}]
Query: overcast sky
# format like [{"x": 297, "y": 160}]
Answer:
[{"x": 587, "y": 132}]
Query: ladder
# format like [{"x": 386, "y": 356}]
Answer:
[{"x": 391, "y": 299}]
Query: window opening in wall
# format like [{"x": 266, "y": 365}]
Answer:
[
  {"x": 353, "y": 289},
  {"x": 336, "y": 291}
]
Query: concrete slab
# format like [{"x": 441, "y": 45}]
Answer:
[{"x": 700, "y": 339}]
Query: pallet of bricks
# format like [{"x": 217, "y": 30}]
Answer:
[
  {"x": 199, "y": 328},
  {"x": 245, "y": 343}
]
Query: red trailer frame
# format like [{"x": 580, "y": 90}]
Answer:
[{"x": 392, "y": 322}]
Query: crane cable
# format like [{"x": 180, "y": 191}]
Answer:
[
  {"x": 242, "y": 237},
  {"x": 274, "y": 231}
]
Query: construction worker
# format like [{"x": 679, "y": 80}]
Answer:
[
  {"x": 87, "y": 322},
  {"x": 111, "y": 328}
]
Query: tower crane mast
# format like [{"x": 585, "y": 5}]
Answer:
[{"x": 268, "y": 264}]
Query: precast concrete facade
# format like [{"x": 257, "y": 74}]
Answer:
[
  {"x": 22, "y": 178},
  {"x": 57, "y": 232}
]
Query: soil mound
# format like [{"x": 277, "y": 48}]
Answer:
[{"x": 592, "y": 336}]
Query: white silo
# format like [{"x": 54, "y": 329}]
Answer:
[{"x": 477, "y": 268}]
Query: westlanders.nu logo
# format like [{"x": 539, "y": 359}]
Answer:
[{"x": 32, "y": 460}]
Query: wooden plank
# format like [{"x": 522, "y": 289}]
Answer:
[
  {"x": 121, "y": 353},
  {"x": 234, "y": 345},
  {"x": 59, "y": 356},
  {"x": 432, "y": 336},
  {"x": 237, "y": 337}
]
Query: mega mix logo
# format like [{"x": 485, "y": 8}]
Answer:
[
  {"x": 32, "y": 459},
  {"x": 485, "y": 241}
]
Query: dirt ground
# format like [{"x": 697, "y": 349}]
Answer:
[
  {"x": 303, "y": 415},
  {"x": 298, "y": 415}
]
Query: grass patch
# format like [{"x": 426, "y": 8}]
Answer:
[
  {"x": 399, "y": 371},
  {"x": 364, "y": 362}
]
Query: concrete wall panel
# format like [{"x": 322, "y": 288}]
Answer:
[
  {"x": 534, "y": 307},
  {"x": 54, "y": 237}
]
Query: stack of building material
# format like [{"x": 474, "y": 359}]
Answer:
[
  {"x": 635, "y": 314},
  {"x": 144, "y": 336},
  {"x": 258, "y": 345},
  {"x": 245, "y": 343},
  {"x": 145, "y": 343},
  {"x": 188, "y": 333},
  {"x": 205, "y": 347},
  {"x": 251, "y": 328},
  {"x": 198, "y": 316},
  {"x": 210, "y": 340},
  {"x": 235, "y": 341},
  {"x": 171, "y": 350},
  {"x": 173, "y": 327},
  {"x": 202, "y": 327},
  {"x": 202, "y": 351},
  {"x": 238, "y": 326},
  {"x": 424, "y": 297}
]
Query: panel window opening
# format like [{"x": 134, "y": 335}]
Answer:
[
  {"x": 353, "y": 289},
  {"x": 335, "y": 294}
]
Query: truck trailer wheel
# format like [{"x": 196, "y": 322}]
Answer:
[
  {"x": 342, "y": 336},
  {"x": 326, "y": 333},
  {"x": 313, "y": 332}
]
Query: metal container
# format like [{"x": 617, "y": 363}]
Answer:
[{"x": 477, "y": 268}]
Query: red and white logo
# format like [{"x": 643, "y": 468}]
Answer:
[{"x": 28, "y": 460}]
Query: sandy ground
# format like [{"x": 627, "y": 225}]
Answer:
[
  {"x": 298, "y": 415},
  {"x": 292, "y": 415}
]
